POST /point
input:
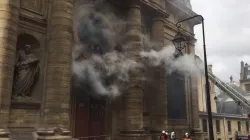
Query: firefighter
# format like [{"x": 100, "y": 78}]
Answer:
[
  {"x": 167, "y": 137},
  {"x": 163, "y": 135},
  {"x": 187, "y": 137},
  {"x": 173, "y": 136}
]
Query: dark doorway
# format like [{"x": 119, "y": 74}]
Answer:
[{"x": 89, "y": 115}]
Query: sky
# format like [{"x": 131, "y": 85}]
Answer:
[{"x": 227, "y": 30}]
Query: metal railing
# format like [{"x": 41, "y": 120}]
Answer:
[
  {"x": 101, "y": 137},
  {"x": 231, "y": 92}
]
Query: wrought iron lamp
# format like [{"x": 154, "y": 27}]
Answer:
[{"x": 179, "y": 43}]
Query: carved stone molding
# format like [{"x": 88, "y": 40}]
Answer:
[
  {"x": 35, "y": 10},
  {"x": 31, "y": 105},
  {"x": 36, "y": 6}
]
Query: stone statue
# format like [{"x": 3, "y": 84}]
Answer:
[
  {"x": 231, "y": 79},
  {"x": 26, "y": 73}
]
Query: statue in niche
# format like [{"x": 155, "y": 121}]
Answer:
[{"x": 26, "y": 73}]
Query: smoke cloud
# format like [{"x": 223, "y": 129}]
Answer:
[
  {"x": 166, "y": 56},
  {"x": 98, "y": 59}
]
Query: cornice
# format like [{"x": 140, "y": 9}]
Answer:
[
  {"x": 229, "y": 116},
  {"x": 156, "y": 7},
  {"x": 27, "y": 22},
  {"x": 182, "y": 11},
  {"x": 189, "y": 35},
  {"x": 244, "y": 80}
]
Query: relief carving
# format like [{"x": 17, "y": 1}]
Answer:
[{"x": 26, "y": 73}]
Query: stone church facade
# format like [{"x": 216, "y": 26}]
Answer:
[{"x": 36, "y": 56}]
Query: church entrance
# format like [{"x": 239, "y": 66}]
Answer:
[{"x": 89, "y": 117}]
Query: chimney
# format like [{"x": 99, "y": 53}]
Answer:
[
  {"x": 241, "y": 70},
  {"x": 210, "y": 68}
]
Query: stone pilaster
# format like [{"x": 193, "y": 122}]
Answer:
[
  {"x": 158, "y": 81},
  {"x": 196, "y": 131},
  {"x": 133, "y": 96},
  {"x": 9, "y": 18},
  {"x": 58, "y": 76}
]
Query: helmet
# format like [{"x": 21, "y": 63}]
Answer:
[
  {"x": 166, "y": 133},
  {"x": 162, "y": 131}
]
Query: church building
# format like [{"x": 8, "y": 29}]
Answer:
[{"x": 39, "y": 100}]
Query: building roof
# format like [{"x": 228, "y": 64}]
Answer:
[{"x": 227, "y": 105}]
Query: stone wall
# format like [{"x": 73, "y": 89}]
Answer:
[
  {"x": 224, "y": 133},
  {"x": 24, "y": 118},
  {"x": 29, "y": 18},
  {"x": 202, "y": 93}
]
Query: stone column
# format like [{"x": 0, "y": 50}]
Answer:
[
  {"x": 58, "y": 75},
  {"x": 9, "y": 18},
  {"x": 133, "y": 96},
  {"x": 158, "y": 81},
  {"x": 158, "y": 31}
]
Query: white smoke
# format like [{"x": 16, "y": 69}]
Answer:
[
  {"x": 96, "y": 68},
  {"x": 95, "y": 26},
  {"x": 183, "y": 64}
]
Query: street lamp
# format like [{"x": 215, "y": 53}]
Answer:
[{"x": 179, "y": 42}]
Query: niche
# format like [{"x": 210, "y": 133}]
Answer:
[{"x": 27, "y": 72}]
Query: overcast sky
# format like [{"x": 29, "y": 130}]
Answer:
[{"x": 227, "y": 27}]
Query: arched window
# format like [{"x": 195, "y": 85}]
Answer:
[{"x": 176, "y": 96}]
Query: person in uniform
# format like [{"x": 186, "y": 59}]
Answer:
[
  {"x": 167, "y": 136},
  {"x": 163, "y": 135},
  {"x": 187, "y": 137},
  {"x": 173, "y": 136}
]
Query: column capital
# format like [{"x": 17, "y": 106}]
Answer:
[
  {"x": 160, "y": 14},
  {"x": 158, "y": 19},
  {"x": 134, "y": 4}
]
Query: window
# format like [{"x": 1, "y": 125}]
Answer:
[
  {"x": 247, "y": 126},
  {"x": 176, "y": 96},
  {"x": 247, "y": 87},
  {"x": 239, "y": 126},
  {"x": 229, "y": 126},
  {"x": 218, "y": 125},
  {"x": 248, "y": 76},
  {"x": 204, "y": 125}
]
